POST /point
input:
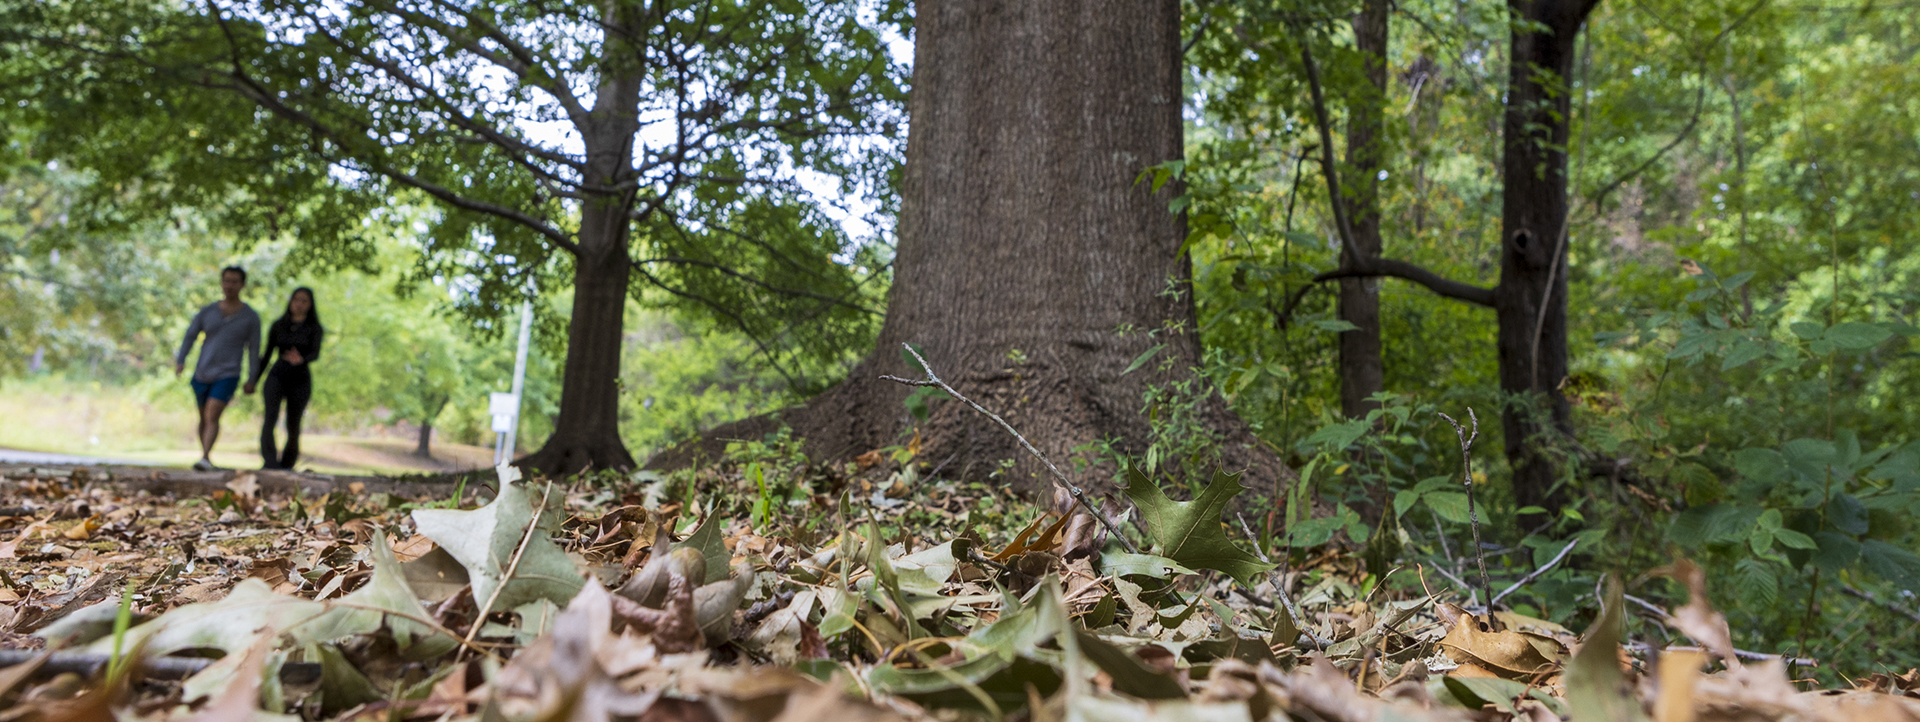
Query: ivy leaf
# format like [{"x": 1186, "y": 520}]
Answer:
[{"x": 1189, "y": 532}]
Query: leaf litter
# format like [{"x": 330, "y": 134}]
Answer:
[{"x": 570, "y": 601}]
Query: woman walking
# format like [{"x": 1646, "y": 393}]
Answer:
[{"x": 296, "y": 335}]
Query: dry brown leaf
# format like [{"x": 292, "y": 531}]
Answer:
[
  {"x": 1698, "y": 619},
  {"x": 559, "y": 676},
  {"x": 1679, "y": 671},
  {"x": 1043, "y": 542},
  {"x": 1473, "y": 640},
  {"x": 412, "y": 547},
  {"x": 823, "y": 702},
  {"x": 83, "y": 530}
]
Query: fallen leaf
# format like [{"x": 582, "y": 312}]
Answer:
[
  {"x": 1511, "y": 654},
  {"x": 83, "y": 530},
  {"x": 488, "y": 540},
  {"x": 1679, "y": 671},
  {"x": 1698, "y": 619},
  {"x": 1190, "y": 532},
  {"x": 1596, "y": 689}
]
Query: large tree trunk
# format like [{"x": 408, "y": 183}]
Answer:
[
  {"x": 1533, "y": 347},
  {"x": 1031, "y": 267},
  {"x": 1361, "y": 370},
  {"x": 587, "y": 432}
]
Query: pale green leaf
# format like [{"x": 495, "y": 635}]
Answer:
[{"x": 484, "y": 540}]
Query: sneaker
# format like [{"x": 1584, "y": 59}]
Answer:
[{"x": 203, "y": 465}]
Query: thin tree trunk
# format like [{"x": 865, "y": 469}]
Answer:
[
  {"x": 586, "y": 434},
  {"x": 424, "y": 449},
  {"x": 1030, "y": 266},
  {"x": 1533, "y": 224},
  {"x": 1361, "y": 369}
]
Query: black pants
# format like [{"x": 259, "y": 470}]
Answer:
[{"x": 295, "y": 388}]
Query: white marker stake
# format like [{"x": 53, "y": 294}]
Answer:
[{"x": 519, "y": 376}]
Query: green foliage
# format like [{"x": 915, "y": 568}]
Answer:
[
  {"x": 1190, "y": 532},
  {"x": 270, "y": 122},
  {"x": 1813, "y": 502}
]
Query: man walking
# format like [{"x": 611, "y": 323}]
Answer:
[{"x": 233, "y": 340}]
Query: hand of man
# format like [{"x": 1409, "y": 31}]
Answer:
[
  {"x": 249, "y": 389},
  {"x": 177, "y": 368}
]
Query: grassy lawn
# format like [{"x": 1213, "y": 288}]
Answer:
[{"x": 154, "y": 422}]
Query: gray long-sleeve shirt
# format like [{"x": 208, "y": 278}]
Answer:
[{"x": 232, "y": 342}]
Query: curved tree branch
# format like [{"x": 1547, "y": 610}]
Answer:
[
  {"x": 1447, "y": 287},
  {"x": 1391, "y": 268}
]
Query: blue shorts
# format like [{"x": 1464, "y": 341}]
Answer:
[{"x": 221, "y": 389}]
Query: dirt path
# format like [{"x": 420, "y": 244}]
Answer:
[
  {"x": 187, "y": 483},
  {"x": 16, "y": 456}
]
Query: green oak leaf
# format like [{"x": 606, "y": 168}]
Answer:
[{"x": 1189, "y": 532}]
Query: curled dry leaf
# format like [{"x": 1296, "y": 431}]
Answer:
[
  {"x": 1479, "y": 643},
  {"x": 674, "y": 628},
  {"x": 1698, "y": 619}
]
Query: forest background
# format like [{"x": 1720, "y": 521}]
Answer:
[{"x": 1740, "y": 281}]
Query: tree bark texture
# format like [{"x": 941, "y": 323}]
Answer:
[
  {"x": 586, "y": 434},
  {"x": 1533, "y": 347},
  {"x": 1026, "y": 246},
  {"x": 1361, "y": 370}
]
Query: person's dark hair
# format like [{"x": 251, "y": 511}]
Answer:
[
  {"x": 313, "y": 309},
  {"x": 234, "y": 269}
]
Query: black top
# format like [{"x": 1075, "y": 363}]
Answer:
[{"x": 302, "y": 336}]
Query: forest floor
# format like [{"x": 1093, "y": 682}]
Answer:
[{"x": 853, "y": 597}]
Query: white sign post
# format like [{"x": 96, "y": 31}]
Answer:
[
  {"x": 503, "y": 407},
  {"x": 503, "y": 450}
]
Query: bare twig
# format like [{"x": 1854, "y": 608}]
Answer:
[
  {"x": 1445, "y": 546},
  {"x": 1644, "y": 604},
  {"x": 1741, "y": 653},
  {"x": 1280, "y": 589},
  {"x": 1386, "y": 624},
  {"x": 1890, "y": 606},
  {"x": 1078, "y": 495},
  {"x": 533, "y": 527},
  {"x": 87, "y": 665},
  {"x": 1544, "y": 568},
  {"x": 1473, "y": 514},
  {"x": 1472, "y": 594}
]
